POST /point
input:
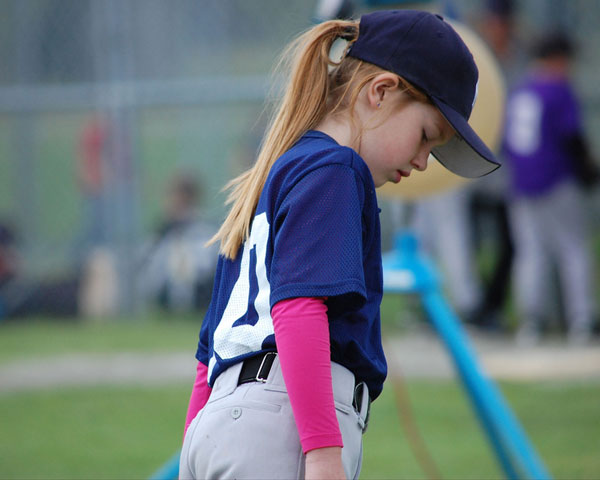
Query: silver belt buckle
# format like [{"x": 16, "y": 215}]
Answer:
[{"x": 259, "y": 377}]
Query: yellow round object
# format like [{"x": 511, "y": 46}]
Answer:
[{"x": 486, "y": 120}]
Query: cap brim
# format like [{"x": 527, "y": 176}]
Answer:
[{"x": 465, "y": 154}]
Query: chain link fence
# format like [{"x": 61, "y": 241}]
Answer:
[{"x": 104, "y": 102}]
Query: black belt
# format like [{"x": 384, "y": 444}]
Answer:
[{"x": 257, "y": 368}]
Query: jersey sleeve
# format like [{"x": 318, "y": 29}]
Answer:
[{"x": 317, "y": 244}]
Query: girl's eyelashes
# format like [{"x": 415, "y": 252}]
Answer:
[{"x": 424, "y": 137}]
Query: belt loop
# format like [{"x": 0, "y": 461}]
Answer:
[{"x": 362, "y": 404}]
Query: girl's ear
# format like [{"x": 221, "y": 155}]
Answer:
[{"x": 380, "y": 87}]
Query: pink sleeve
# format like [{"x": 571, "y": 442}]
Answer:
[
  {"x": 302, "y": 336},
  {"x": 200, "y": 394}
]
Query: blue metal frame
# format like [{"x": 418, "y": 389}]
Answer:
[
  {"x": 407, "y": 270},
  {"x": 168, "y": 471}
]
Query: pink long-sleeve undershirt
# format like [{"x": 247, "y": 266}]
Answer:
[
  {"x": 199, "y": 396},
  {"x": 302, "y": 335}
]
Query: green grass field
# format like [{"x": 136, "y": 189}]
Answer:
[
  {"x": 119, "y": 433},
  {"x": 128, "y": 432},
  {"x": 43, "y": 338}
]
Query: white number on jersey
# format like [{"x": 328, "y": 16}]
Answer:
[
  {"x": 232, "y": 341},
  {"x": 524, "y": 123}
]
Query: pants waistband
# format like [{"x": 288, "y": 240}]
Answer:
[{"x": 264, "y": 369}]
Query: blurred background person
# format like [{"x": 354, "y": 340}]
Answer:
[
  {"x": 489, "y": 224},
  {"x": 93, "y": 171},
  {"x": 22, "y": 295},
  {"x": 443, "y": 226},
  {"x": 550, "y": 162},
  {"x": 8, "y": 254},
  {"x": 177, "y": 268}
]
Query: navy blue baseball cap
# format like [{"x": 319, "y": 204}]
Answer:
[{"x": 426, "y": 51}]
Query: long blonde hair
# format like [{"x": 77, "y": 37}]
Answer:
[{"x": 312, "y": 92}]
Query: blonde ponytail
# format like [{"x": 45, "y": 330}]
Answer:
[{"x": 303, "y": 106}]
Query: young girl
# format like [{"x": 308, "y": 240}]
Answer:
[{"x": 290, "y": 352}]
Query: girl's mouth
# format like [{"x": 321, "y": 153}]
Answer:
[{"x": 400, "y": 174}]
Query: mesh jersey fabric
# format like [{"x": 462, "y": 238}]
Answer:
[{"x": 315, "y": 233}]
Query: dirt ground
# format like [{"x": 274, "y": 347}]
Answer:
[{"x": 416, "y": 354}]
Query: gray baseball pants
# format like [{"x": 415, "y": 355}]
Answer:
[
  {"x": 546, "y": 228},
  {"x": 248, "y": 431}
]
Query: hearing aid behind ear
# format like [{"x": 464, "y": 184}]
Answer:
[{"x": 486, "y": 120}]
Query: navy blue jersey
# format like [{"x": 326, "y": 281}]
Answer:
[{"x": 315, "y": 234}]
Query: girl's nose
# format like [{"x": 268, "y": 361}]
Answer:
[{"x": 420, "y": 161}]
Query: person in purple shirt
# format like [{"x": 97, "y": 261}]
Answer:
[{"x": 549, "y": 164}]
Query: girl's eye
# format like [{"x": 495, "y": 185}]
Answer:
[{"x": 424, "y": 137}]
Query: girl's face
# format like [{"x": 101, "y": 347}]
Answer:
[{"x": 403, "y": 141}]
